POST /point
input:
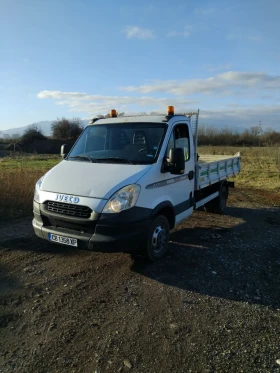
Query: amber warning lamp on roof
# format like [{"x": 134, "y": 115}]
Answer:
[
  {"x": 113, "y": 113},
  {"x": 170, "y": 110}
]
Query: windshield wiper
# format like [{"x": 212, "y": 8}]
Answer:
[
  {"x": 117, "y": 159},
  {"x": 82, "y": 156}
]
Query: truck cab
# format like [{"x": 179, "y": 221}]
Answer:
[{"x": 123, "y": 186}]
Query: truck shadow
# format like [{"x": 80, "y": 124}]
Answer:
[
  {"x": 235, "y": 256},
  {"x": 39, "y": 246}
]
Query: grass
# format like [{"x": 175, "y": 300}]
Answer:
[
  {"x": 260, "y": 167},
  {"x": 18, "y": 175}
]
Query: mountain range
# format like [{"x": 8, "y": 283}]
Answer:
[{"x": 45, "y": 127}]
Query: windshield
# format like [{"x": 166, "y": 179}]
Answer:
[{"x": 131, "y": 143}]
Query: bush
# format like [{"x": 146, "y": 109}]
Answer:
[
  {"x": 64, "y": 129},
  {"x": 32, "y": 133}
]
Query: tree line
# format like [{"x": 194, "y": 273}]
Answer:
[
  {"x": 254, "y": 136},
  {"x": 70, "y": 129}
]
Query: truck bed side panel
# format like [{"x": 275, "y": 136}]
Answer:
[{"x": 208, "y": 173}]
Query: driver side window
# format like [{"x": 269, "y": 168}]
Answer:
[{"x": 179, "y": 139}]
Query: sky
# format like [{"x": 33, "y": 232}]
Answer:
[{"x": 81, "y": 58}]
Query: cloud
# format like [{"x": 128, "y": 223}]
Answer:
[
  {"x": 232, "y": 114},
  {"x": 99, "y": 104},
  {"x": 246, "y": 112},
  {"x": 228, "y": 83},
  {"x": 139, "y": 33},
  {"x": 59, "y": 94},
  {"x": 243, "y": 116},
  {"x": 250, "y": 37},
  {"x": 220, "y": 97},
  {"x": 185, "y": 33}
]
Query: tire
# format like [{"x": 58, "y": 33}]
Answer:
[
  {"x": 218, "y": 204},
  {"x": 158, "y": 238}
]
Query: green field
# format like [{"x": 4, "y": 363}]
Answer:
[{"x": 18, "y": 175}]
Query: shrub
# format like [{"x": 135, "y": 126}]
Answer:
[
  {"x": 64, "y": 129},
  {"x": 32, "y": 133}
]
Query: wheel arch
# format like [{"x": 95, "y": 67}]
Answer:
[
  {"x": 217, "y": 187},
  {"x": 166, "y": 209}
]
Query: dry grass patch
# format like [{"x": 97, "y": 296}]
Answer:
[
  {"x": 18, "y": 176},
  {"x": 16, "y": 190},
  {"x": 260, "y": 167}
]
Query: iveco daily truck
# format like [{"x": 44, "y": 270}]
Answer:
[{"x": 128, "y": 181}]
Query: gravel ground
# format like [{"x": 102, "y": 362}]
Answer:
[{"x": 212, "y": 305}]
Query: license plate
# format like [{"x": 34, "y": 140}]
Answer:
[{"x": 63, "y": 240}]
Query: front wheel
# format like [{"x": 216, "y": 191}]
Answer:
[{"x": 158, "y": 238}]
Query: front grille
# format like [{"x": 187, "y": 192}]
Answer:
[
  {"x": 69, "y": 209},
  {"x": 88, "y": 227}
]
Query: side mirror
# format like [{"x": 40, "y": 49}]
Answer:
[
  {"x": 64, "y": 150},
  {"x": 176, "y": 164}
]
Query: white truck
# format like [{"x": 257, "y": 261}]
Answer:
[{"x": 128, "y": 181}]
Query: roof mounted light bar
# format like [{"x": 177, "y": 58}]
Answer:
[{"x": 170, "y": 113}]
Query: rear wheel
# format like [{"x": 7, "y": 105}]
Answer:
[
  {"x": 218, "y": 204},
  {"x": 158, "y": 238}
]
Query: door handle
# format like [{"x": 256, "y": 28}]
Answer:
[{"x": 191, "y": 174}]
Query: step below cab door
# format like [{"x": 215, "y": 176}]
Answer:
[{"x": 180, "y": 188}]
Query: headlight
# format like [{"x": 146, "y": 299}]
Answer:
[
  {"x": 124, "y": 199},
  {"x": 37, "y": 188}
]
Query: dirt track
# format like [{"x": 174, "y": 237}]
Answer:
[{"x": 213, "y": 305}]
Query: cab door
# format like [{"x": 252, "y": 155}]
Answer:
[{"x": 181, "y": 187}]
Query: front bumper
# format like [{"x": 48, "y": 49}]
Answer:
[{"x": 122, "y": 233}]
